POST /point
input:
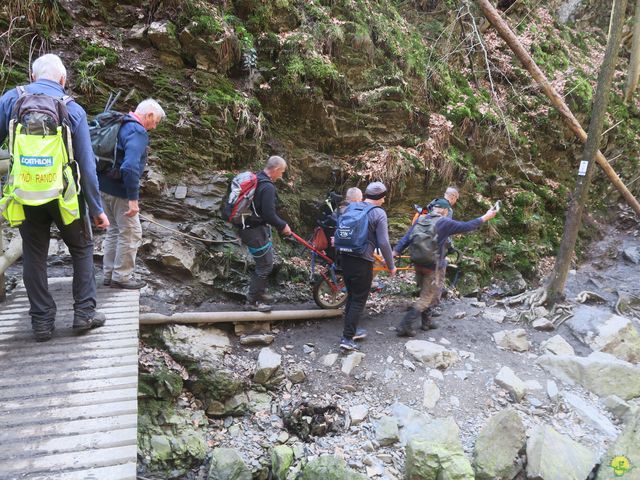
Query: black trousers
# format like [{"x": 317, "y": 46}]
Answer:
[
  {"x": 358, "y": 275},
  {"x": 36, "y": 232},
  {"x": 256, "y": 238}
]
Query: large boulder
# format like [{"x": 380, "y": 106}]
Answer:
[
  {"x": 171, "y": 441},
  {"x": 226, "y": 464},
  {"x": 498, "y": 447},
  {"x": 606, "y": 332},
  {"x": 436, "y": 453},
  {"x": 623, "y": 457},
  {"x": 553, "y": 456},
  {"x": 600, "y": 373},
  {"x": 431, "y": 354},
  {"x": 329, "y": 467}
]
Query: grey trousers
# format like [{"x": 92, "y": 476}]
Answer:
[
  {"x": 256, "y": 238},
  {"x": 36, "y": 232},
  {"x": 124, "y": 236}
]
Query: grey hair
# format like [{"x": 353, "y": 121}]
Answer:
[
  {"x": 48, "y": 67},
  {"x": 150, "y": 106},
  {"x": 354, "y": 194},
  {"x": 452, "y": 191},
  {"x": 275, "y": 162}
]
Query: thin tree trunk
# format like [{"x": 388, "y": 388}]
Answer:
[
  {"x": 634, "y": 62},
  {"x": 555, "y": 291},
  {"x": 512, "y": 41}
]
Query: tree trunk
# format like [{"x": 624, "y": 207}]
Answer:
[
  {"x": 509, "y": 37},
  {"x": 555, "y": 289},
  {"x": 634, "y": 62}
]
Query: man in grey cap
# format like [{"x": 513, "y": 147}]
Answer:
[{"x": 356, "y": 257}]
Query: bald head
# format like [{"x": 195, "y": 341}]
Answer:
[{"x": 275, "y": 167}]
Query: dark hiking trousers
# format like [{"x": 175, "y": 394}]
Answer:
[
  {"x": 258, "y": 239},
  {"x": 358, "y": 275},
  {"x": 35, "y": 232}
]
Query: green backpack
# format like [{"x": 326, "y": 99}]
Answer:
[{"x": 423, "y": 248}]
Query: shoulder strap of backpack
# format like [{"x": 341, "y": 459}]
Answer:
[{"x": 21, "y": 90}]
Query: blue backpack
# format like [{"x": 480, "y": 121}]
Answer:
[{"x": 352, "y": 233}]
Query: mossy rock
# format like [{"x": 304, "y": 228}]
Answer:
[
  {"x": 329, "y": 467},
  {"x": 162, "y": 383}
]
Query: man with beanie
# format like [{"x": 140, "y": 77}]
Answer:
[
  {"x": 431, "y": 276},
  {"x": 357, "y": 264}
]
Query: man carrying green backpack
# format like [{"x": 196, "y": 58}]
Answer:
[{"x": 427, "y": 241}]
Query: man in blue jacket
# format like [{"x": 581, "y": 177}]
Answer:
[
  {"x": 49, "y": 77},
  {"x": 120, "y": 191},
  {"x": 431, "y": 277}
]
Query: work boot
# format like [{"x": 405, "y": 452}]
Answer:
[
  {"x": 405, "y": 329},
  {"x": 259, "y": 306},
  {"x": 43, "y": 333},
  {"x": 106, "y": 281},
  {"x": 83, "y": 324},
  {"x": 427, "y": 322},
  {"x": 131, "y": 284}
]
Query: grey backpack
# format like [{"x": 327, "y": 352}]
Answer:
[{"x": 423, "y": 248}]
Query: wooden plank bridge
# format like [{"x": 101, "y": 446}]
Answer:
[{"x": 68, "y": 407}]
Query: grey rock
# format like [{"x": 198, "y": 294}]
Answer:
[
  {"x": 620, "y": 409},
  {"x": 553, "y": 456},
  {"x": 543, "y": 324},
  {"x": 623, "y": 453},
  {"x": 606, "y": 332},
  {"x": 557, "y": 345},
  {"x": 351, "y": 362},
  {"x": 632, "y": 254},
  {"x": 281, "y": 460},
  {"x": 431, "y": 354},
  {"x": 329, "y": 359},
  {"x": 181, "y": 192},
  {"x": 508, "y": 380},
  {"x": 162, "y": 36},
  {"x": 387, "y": 431},
  {"x": 552, "y": 390},
  {"x": 600, "y": 373},
  {"x": 226, "y": 464},
  {"x": 328, "y": 467},
  {"x": 251, "y": 340},
  {"x": 512, "y": 339},
  {"x": 268, "y": 363},
  {"x": 431, "y": 394},
  {"x": 498, "y": 445},
  {"x": 358, "y": 413},
  {"x": 296, "y": 374},
  {"x": 590, "y": 414},
  {"x": 494, "y": 314}
]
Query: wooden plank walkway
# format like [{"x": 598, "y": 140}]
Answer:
[{"x": 68, "y": 407}]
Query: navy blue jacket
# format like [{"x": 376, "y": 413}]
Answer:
[
  {"x": 80, "y": 139},
  {"x": 131, "y": 158},
  {"x": 444, "y": 229}
]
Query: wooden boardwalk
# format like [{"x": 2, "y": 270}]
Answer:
[{"x": 68, "y": 407}]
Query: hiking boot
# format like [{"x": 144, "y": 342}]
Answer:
[
  {"x": 106, "y": 281},
  {"x": 131, "y": 284},
  {"x": 82, "y": 324},
  {"x": 259, "y": 307},
  {"x": 348, "y": 344},
  {"x": 435, "y": 311},
  {"x": 361, "y": 334},
  {"x": 427, "y": 323},
  {"x": 43, "y": 333},
  {"x": 405, "y": 329}
]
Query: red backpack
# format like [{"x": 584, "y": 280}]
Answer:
[{"x": 239, "y": 205}]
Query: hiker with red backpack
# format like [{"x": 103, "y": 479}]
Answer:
[
  {"x": 120, "y": 192},
  {"x": 52, "y": 179},
  {"x": 362, "y": 228},
  {"x": 251, "y": 207},
  {"x": 427, "y": 241}
]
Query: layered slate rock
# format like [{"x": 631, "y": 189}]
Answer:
[
  {"x": 437, "y": 453},
  {"x": 498, "y": 447},
  {"x": 329, "y": 467},
  {"x": 553, "y": 456},
  {"x": 600, "y": 373},
  {"x": 226, "y": 464},
  {"x": 606, "y": 332}
]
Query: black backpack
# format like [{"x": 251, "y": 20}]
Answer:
[
  {"x": 104, "y": 130},
  {"x": 423, "y": 249}
]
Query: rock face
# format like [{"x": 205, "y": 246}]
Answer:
[
  {"x": 498, "y": 446},
  {"x": 269, "y": 363},
  {"x": 557, "y": 345},
  {"x": 329, "y": 467},
  {"x": 226, "y": 464},
  {"x": 623, "y": 457},
  {"x": 431, "y": 354},
  {"x": 553, "y": 456},
  {"x": 600, "y": 373},
  {"x": 436, "y": 453},
  {"x": 510, "y": 382},
  {"x": 170, "y": 439},
  {"x": 512, "y": 339},
  {"x": 606, "y": 332}
]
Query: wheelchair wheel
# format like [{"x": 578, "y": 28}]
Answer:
[{"x": 325, "y": 296}]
